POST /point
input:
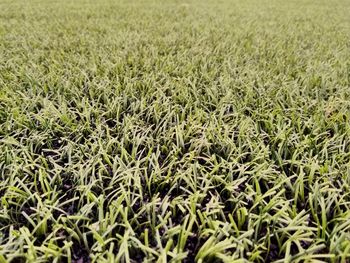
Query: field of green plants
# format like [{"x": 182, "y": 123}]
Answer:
[{"x": 174, "y": 131}]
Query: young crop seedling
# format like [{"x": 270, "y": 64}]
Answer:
[{"x": 174, "y": 131}]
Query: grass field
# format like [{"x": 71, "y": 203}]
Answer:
[{"x": 174, "y": 131}]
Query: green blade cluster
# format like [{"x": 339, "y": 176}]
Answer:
[{"x": 174, "y": 131}]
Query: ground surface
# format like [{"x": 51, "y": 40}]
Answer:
[{"x": 154, "y": 131}]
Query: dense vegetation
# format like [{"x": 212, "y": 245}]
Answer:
[{"x": 174, "y": 131}]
